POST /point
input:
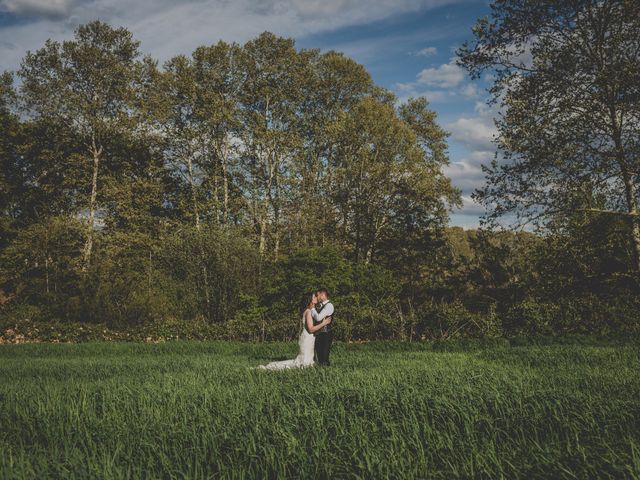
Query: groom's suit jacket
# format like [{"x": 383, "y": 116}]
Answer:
[{"x": 323, "y": 310}]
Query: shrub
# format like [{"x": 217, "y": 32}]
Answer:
[
  {"x": 586, "y": 314},
  {"x": 532, "y": 317},
  {"x": 453, "y": 320}
]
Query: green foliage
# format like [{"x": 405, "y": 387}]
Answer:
[
  {"x": 211, "y": 192},
  {"x": 579, "y": 314},
  {"x": 440, "y": 320},
  {"x": 230, "y": 263},
  {"x": 122, "y": 287},
  {"x": 144, "y": 279},
  {"x": 306, "y": 271},
  {"x": 41, "y": 265},
  {"x": 566, "y": 81},
  {"x": 250, "y": 322},
  {"x": 531, "y": 317}
]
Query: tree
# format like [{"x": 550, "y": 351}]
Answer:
[
  {"x": 133, "y": 192},
  {"x": 566, "y": 75},
  {"x": 271, "y": 102},
  {"x": 422, "y": 205},
  {"x": 88, "y": 85},
  {"x": 335, "y": 85},
  {"x": 40, "y": 264},
  {"x": 219, "y": 80},
  {"x": 196, "y": 109},
  {"x": 388, "y": 188},
  {"x": 10, "y": 176}
]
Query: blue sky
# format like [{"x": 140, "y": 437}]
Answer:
[{"x": 407, "y": 45}]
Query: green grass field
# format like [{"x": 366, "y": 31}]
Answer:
[{"x": 384, "y": 410}]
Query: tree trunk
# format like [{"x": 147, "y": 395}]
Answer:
[
  {"x": 205, "y": 275},
  {"x": 46, "y": 272},
  {"x": 225, "y": 193},
  {"x": 86, "y": 257},
  {"x": 194, "y": 198},
  {"x": 635, "y": 232},
  {"x": 225, "y": 183},
  {"x": 379, "y": 225},
  {"x": 276, "y": 245},
  {"x": 216, "y": 196},
  {"x": 275, "y": 203},
  {"x": 267, "y": 203},
  {"x": 263, "y": 234},
  {"x": 149, "y": 278}
]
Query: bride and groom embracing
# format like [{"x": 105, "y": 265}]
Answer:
[{"x": 315, "y": 335}]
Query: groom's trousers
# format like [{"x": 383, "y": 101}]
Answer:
[{"x": 323, "y": 347}]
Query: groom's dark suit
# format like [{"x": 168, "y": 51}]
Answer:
[{"x": 324, "y": 337}]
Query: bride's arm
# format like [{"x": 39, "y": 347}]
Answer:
[{"x": 311, "y": 328}]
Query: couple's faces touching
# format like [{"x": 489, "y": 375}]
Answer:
[
  {"x": 314, "y": 300},
  {"x": 318, "y": 297}
]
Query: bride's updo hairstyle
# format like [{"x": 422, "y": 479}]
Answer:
[{"x": 307, "y": 298}]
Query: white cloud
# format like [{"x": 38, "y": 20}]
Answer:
[
  {"x": 469, "y": 207},
  {"x": 466, "y": 173},
  {"x": 482, "y": 108},
  {"x": 435, "y": 96},
  {"x": 476, "y": 133},
  {"x": 166, "y": 27},
  {"x": 445, "y": 81},
  {"x": 468, "y": 216},
  {"x": 410, "y": 90},
  {"x": 467, "y": 222},
  {"x": 47, "y": 8},
  {"x": 447, "y": 75},
  {"x": 470, "y": 90},
  {"x": 428, "y": 52}
]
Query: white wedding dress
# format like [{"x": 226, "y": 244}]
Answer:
[{"x": 306, "y": 342}]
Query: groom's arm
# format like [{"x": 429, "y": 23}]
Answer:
[
  {"x": 312, "y": 326},
  {"x": 327, "y": 311}
]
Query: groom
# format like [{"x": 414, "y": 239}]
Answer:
[{"x": 324, "y": 308}]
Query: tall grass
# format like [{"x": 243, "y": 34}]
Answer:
[{"x": 196, "y": 410}]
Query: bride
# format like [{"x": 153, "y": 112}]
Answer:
[{"x": 306, "y": 341}]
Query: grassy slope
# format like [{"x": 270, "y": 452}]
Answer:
[{"x": 188, "y": 410}]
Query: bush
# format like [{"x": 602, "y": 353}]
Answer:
[
  {"x": 358, "y": 318},
  {"x": 592, "y": 314},
  {"x": 209, "y": 271},
  {"x": 438, "y": 320},
  {"x": 41, "y": 265},
  {"x": 587, "y": 314},
  {"x": 531, "y": 317},
  {"x": 137, "y": 280}
]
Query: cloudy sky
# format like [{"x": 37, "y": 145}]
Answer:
[{"x": 407, "y": 45}]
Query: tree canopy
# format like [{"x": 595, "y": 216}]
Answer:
[{"x": 566, "y": 79}]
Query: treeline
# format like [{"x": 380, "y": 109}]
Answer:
[{"x": 211, "y": 191}]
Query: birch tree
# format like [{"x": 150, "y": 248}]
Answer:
[
  {"x": 87, "y": 84},
  {"x": 388, "y": 186},
  {"x": 270, "y": 108}
]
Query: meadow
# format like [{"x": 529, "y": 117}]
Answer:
[{"x": 567, "y": 408}]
